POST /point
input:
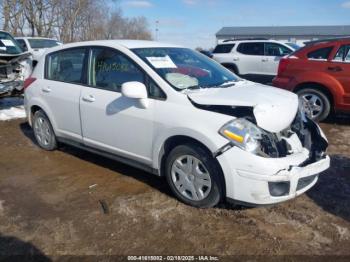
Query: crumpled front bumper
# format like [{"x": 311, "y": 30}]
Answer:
[{"x": 257, "y": 180}]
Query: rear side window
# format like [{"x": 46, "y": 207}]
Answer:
[
  {"x": 251, "y": 48},
  {"x": 273, "y": 49},
  {"x": 66, "y": 66},
  {"x": 343, "y": 54},
  {"x": 320, "y": 54},
  {"x": 223, "y": 49},
  {"x": 110, "y": 69}
]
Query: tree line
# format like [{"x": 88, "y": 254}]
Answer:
[{"x": 71, "y": 20}]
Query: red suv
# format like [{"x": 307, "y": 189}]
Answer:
[{"x": 320, "y": 74}]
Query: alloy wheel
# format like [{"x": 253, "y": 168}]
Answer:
[{"x": 312, "y": 104}]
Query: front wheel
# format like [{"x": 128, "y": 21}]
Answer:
[
  {"x": 194, "y": 176},
  {"x": 316, "y": 104}
]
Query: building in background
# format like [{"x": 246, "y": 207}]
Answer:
[{"x": 293, "y": 34}]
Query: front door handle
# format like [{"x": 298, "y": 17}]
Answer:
[
  {"x": 46, "y": 89},
  {"x": 235, "y": 59},
  {"x": 335, "y": 69},
  {"x": 89, "y": 98}
]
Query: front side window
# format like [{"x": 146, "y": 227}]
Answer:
[
  {"x": 343, "y": 54},
  {"x": 223, "y": 49},
  {"x": 320, "y": 54},
  {"x": 66, "y": 65},
  {"x": 251, "y": 48},
  {"x": 109, "y": 69},
  {"x": 42, "y": 43},
  {"x": 184, "y": 68},
  {"x": 22, "y": 43},
  {"x": 8, "y": 45},
  {"x": 273, "y": 49}
]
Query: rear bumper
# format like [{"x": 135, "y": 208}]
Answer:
[{"x": 282, "y": 82}]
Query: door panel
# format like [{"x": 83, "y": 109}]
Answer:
[
  {"x": 339, "y": 67},
  {"x": 61, "y": 89},
  {"x": 111, "y": 121},
  {"x": 250, "y": 58},
  {"x": 63, "y": 100},
  {"x": 116, "y": 123},
  {"x": 273, "y": 54}
]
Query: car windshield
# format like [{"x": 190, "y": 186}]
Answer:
[
  {"x": 42, "y": 43},
  {"x": 8, "y": 45},
  {"x": 184, "y": 68}
]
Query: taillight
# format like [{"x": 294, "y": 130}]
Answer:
[
  {"x": 283, "y": 65},
  {"x": 28, "y": 82}
]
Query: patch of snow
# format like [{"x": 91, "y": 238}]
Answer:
[{"x": 11, "y": 108}]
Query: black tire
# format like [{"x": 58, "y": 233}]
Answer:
[
  {"x": 323, "y": 97},
  {"x": 233, "y": 69},
  {"x": 50, "y": 142},
  {"x": 217, "y": 183}
]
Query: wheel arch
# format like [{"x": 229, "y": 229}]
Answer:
[
  {"x": 35, "y": 106},
  {"x": 173, "y": 141},
  {"x": 320, "y": 87}
]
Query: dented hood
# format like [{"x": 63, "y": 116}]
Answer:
[{"x": 274, "y": 109}]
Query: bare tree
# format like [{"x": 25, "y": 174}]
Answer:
[{"x": 71, "y": 20}]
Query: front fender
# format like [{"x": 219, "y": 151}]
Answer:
[{"x": 212, "y": 142}]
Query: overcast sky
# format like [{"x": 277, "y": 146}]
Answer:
[{"x": 193, "y": 23}]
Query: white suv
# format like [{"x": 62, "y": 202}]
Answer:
[
  {"x": 252, "y": 59},
  {"x": 176, "y": 113}
]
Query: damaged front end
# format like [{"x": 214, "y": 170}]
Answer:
[
  {"x": 264, "y": 167},
  {"x": 15, "y": 66},
  {"x": 13, "y": 71},
  {"x": 245, "y": 133}
]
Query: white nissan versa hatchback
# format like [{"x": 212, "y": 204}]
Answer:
[{"x": 176, "y": 113}]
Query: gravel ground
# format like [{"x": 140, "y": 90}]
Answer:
[{"x": 70, "y": 202}]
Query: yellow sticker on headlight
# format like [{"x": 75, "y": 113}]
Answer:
[{"x": 233, "y": 136}]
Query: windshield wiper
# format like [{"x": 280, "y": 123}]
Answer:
[{"x": 227, "y": 84}]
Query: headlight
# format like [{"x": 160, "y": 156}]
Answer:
[{"x": 243, "y": 134}]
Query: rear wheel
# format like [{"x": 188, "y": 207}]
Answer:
[
  {"x": 194, "y": 176},
  {"x": 43, "y": 131},
  {"x": 315, "y": 102}
]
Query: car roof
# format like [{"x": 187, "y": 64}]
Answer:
[
  {"x": 248, "y": 40},
  {"x": 34, "y": 37},
  {"x": 129, "y": 44},
  {"x": 329, "y": 40}
]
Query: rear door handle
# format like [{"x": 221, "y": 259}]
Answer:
[
  {"x": 265, "y": 60},
  {"x": 335, "y": 69},
  {"x": 46, "y": 89},
  {"x": 235, "y": 59},
  {"x": 89, "y": 98}
]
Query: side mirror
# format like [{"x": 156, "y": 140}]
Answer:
[{"x": 136, "y": 90}]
